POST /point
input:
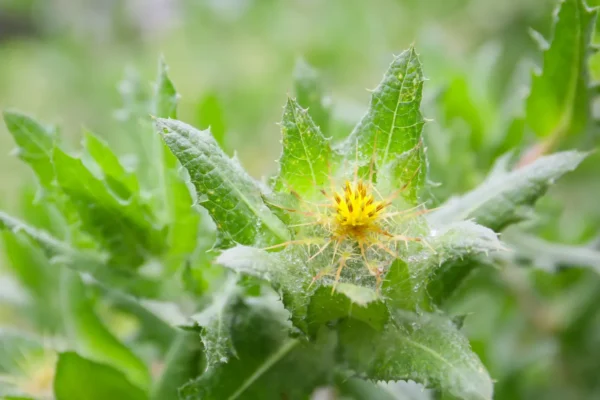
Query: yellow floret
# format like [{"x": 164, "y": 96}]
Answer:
[{"x": 356, "y": 206}]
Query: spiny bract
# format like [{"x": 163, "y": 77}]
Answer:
[{"x": 355, "y": 226}]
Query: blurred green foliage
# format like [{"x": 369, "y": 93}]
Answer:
[{"x": 532, "y": 319}]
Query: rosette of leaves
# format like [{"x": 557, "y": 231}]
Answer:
[{"x": 385, "y": 319}]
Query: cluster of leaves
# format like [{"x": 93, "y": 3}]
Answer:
[{"x": 148, "y": 240}]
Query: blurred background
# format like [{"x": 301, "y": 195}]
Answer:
[{"x": 65, "y": 61}]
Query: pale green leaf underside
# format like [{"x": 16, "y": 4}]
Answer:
[
  {"x": 304, "y": 162},
  {"x": 231, "y": 196},
  {"x": 393, "y": 122},
  {"x": 558, "y": 101},
  {"x": 506, "y": 196}
]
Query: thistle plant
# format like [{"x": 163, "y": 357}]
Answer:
[{"x": 334, "y": 272}]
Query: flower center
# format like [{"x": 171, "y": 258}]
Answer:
[{"x": 356, "y": 206}]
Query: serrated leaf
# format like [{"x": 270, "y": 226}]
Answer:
[
  {"x": 303, "y": 166},
  {"x": 216, "y": 321},
  {"x": 559, "y": 100},
  {"x": 176, "y": 198},
  {"x": 310, "y": 94},
  {"x": 393, "y": 123},
  {"x": 405, "y": 284},
  {"x": 270, "y": 365},
  {"x": 506, "y": 196},
  {"x": 210, "y": 116},
  {"x": 425, "y": 348},
  {"x": 35, "y": 144},
  {"x": 231, "y": 197},
  {"x": 110, "y": 213},
  {"x": 90, "y": 337},
  {"x": 78, "y": 378},
  {"x": 286, "y": 271}
]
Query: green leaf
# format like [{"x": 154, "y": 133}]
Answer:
[
  {"x": 116, "y": 217},
  {"x": 311, "y": 94},
  {"x": 89, "y": 335},
  {"x": 303, "y": 166},
  {"x": 347, "y": 301},
  {"x": 35, "y": 144},
  {"x": 428, "y": 349},
  {"x": 37, "y": 275},
  {"x": 153, "y": 327},
  {"x": 559, "y": 100},
  {"x": 549, "y": 256},
  {"x": 286, "y": 271},
  {"x": 393, "y": 123},
  {"x": 506, "y": 197},
  {"x": 100, "y": 156},
  {"x": 165, "y": 97},
  {"x": 404, "y": 168},
  {"x": 177, "y": 201},
  {"x": 85, "y": 261},
  {"x": 231, "y": 197},
  {"x": 80, "y": 379},
  {"x": 211, "y": 116},
  {"x": 216, "y": 321},
  {"x": 82, "y": 260},
  {"x": 183, "y": 362},
  {"x": 405, "y": 284},
  {"x": 270, "y": 365}
]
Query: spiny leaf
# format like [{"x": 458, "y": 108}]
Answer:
[
  {"x": 35, "y": 142},
  {"x": 393, "y": 123},
  {"x": 231, "y": 197},
  {"x": 304, "y": 162},
  {"x": 90, "y": 337},
  {"x": 78, "y": 378},
  {"x": 216, "y": 321},
  {"x": 559, "y": 100},
  {"x": 405, "y": 284},
  {"x": 270, "y": 365},
  {"x": 425, "y": 348},
  {"x": 506, "y": 196},
  {"x": 286, "y": 271},
  {"x": 116, "y": 217},
  {"x": 310, "y": 94},
  {"x": 176, "y": 199}
]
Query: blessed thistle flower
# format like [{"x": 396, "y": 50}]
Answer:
[{"x": 354, "y": 226}]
